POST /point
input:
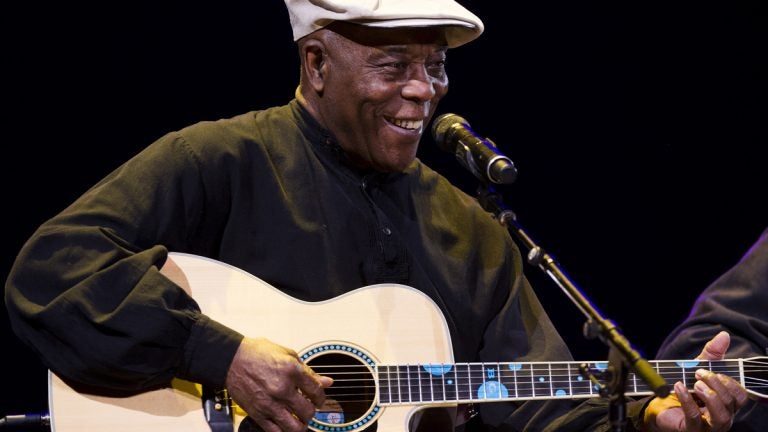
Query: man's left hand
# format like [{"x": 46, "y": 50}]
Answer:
[{"x": 715, "y": 400}]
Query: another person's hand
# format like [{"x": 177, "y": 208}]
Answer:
[
  {"x": 713, "y": 405},
  {"x": 274, "y": 387}
]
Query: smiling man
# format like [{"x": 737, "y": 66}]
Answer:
[{"x": 376, "y": 88}]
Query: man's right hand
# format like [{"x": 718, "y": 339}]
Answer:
[{"x": 274, "y": 387}]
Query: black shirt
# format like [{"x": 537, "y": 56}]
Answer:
[{"x": 271, "y": 193}]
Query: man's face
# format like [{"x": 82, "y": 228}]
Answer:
[{"x": 380, "y": 93}]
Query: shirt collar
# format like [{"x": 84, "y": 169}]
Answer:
[{"x": 327, "y": 147}]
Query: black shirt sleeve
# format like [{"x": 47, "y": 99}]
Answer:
[{"x": 86, "y": 294}]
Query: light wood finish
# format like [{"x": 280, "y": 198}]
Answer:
[{"x": 394, "y": 323}]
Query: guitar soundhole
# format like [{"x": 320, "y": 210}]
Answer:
[{"x": 350, "y": 401}]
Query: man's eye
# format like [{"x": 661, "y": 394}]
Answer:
[
  {"x": 437, "y": 64},
  {"x": 436, "y": 69}
]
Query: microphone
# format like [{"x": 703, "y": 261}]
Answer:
[
  {"x": 479, "y": 155},
  {"x": 42, "y": 420}
]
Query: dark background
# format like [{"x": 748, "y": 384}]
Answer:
[{"x": 639, "y": 132}]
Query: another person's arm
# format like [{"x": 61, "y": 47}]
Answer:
[{"x": 737, "y": 302}]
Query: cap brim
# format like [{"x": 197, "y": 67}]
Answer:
[{"x": 457, "y": 32}]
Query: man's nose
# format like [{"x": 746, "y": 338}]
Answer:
[{"x": 420, "y": 86}]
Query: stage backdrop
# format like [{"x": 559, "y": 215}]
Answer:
[{"x": 638, "y": 131}]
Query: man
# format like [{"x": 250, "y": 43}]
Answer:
[
  {"x": 317, "y": 197},
  {"x": 737, "y": 302}
]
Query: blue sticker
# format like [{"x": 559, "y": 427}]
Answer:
[
  {"x": 437, "y": 369},
  {"x": 492, "y": 390},
  {"x": 330, "y": 417}
]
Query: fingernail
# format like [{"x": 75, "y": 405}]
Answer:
[
  {"x": 700, "y": 386},
  {"x": 701, "y": 373}
]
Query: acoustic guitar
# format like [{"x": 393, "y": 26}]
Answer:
[{"x": 386, "y": 346}]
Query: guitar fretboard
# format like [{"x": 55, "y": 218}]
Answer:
[{"x": 488, "y": 382}]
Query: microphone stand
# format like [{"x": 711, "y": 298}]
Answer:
[{"x": 622, "y": 357}]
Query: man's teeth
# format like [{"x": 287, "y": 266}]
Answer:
[{"x": 408, "y": 124}]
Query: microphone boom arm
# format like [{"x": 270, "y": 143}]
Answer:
[{"x": 621, "y": 355}]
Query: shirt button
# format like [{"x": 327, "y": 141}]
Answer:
[{"x": 386, "y": 231}]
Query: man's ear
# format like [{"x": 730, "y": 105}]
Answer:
[{"x": 314, "y": 64}]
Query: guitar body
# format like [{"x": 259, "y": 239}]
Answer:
[
  {"x": 385, "y": 324},
  {"x": 386, "y": 346}
]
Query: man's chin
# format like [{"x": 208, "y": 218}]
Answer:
[{"x": 396, "y": 165}]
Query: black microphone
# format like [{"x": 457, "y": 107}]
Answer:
[{"x": 479, "y": 155}]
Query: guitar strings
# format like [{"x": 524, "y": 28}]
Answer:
[
  {"x": 356, "y": 384},
  {"x": 558, "y": 377}
]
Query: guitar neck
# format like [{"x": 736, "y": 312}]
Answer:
[{"x": 491, "y": 382}]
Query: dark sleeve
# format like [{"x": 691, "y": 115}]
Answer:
[
  {"x": 85, "y": 292},
  {"x": 736, "y": 302}
]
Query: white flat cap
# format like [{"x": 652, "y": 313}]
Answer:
[{"x": 310, "y": 15}]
